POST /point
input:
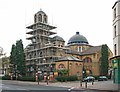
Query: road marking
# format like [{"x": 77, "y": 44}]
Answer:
[
  {"x": 70, "y": 88},
  {"x": 21, "y": 89}
]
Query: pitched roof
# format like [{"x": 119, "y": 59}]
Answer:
[
  {"x": 69, "y": 58},
  {"x": 92, "y": 50},
  {"x": 72, "y": 52}
]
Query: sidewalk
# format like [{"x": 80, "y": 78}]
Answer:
[{"x": 101, "y": 85}]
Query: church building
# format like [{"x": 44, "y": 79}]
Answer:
[{"x": 46, "y": 53}]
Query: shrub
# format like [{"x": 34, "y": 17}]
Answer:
[
  {"x": 96, "y": 77},
  {"x": 6, "y": 77},
  {"x": 72, "y": 78},
  {"x": 66, "y": 78},
  {"x": 27, "y": 78},
  {"x": 61, "y": 78}
]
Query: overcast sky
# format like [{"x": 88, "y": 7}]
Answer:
[{"x": 92, "y": 18}]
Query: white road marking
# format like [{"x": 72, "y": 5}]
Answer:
[
  {"x": 70, "y": 88},
  {"x": 21, "y": 89}
]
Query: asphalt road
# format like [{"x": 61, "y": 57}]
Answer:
[{"x": 12, "y": 86}]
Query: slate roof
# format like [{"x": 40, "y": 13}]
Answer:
[
  {"x": 92, "y": 50},
  {"x": 69, "y": 58},
  {"x": 58, "y": 38},
  {"x": 77, "y": 38},
  {"x": 72, "y": 52}
]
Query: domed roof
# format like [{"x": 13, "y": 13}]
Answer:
[
  {"x": 58, "y": 38},
  {"x": 77, "y": 39},
  {"x": 41, "y": 12}
]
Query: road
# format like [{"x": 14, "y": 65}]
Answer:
[{"x": 17, "y": 86}]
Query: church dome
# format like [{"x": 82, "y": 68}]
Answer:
[
  {"x": 58, "y": 38},
  {"x": 78, "y": 39},
  {"x": 41, "y": 12}
]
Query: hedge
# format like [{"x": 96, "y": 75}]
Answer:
[
  {"x": 66, "y": 78},
  {"x": 27, "y": 78},
  {"x": 6, "y": 77}
]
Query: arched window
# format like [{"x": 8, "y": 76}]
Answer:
[
  {"x": 87, "y": 60},
  {"x": 45, "y": 19},
  {"x": 35, "y": 19},
  {"x": 76, "y": 64},
  {"x": 40, "y": 54},
  {"x": 40, "y": 17},
  {"x": 61, "y": 66}
]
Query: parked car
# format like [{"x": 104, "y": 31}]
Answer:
[
  {"x": 102, "y": 78},
  {"x": 88, "y": 79}
]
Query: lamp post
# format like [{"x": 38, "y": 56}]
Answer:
[
  {"x": 38, "y": 73},
  {"x": 47, "y": 70}
]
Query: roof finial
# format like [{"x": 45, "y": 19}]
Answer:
[
  {"x": 77, "y": 32},
  {"x": 40, "y": 9}
]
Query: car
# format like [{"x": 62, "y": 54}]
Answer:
[
  {"x": 102, "y": 78},
  {"x": 88, "y": 79}
]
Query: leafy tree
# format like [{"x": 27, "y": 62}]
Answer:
[{"x": 104, "y": 60}]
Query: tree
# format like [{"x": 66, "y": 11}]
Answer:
[
  {"x": 20, "y": 56},
  {"x": 104, "y": 60},
  {"x": 17, "y": 58},
  {"x": 13, "y": 59}
]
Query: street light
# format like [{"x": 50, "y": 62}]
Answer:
[{"x": 38, "y": 73}]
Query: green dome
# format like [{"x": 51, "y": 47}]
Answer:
[{"x": 78, "y": 39}]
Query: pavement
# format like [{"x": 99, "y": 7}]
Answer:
[
  {"x": 101, "y": 85},
  {"x": 108, "y": 86}
]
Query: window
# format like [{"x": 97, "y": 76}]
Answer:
[
  {"x": 115, "y": 31},
  {"x": 61, "y": 66},
  {"x": 45, "y": 19},
  {"x": 79, "y": 49},
  {"x": 83, "y": 48},
  {"x": 40, "y": 54},
  {"x": 94, "y": 55},
  {"x": 115, "y": 13},
  {"x": 54, "y": 52},
  {"x": 115, "y": 49},
  {"x": 35, "y": 19},
  {"x": 97, "y": 55},
  {"x": 87, "y": 60},
  {"x": 40, "y": 18},
  {"x": 76, "y": 64}
]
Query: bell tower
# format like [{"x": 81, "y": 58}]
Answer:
[{"x": 40, "y": 17}]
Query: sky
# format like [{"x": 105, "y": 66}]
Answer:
[{"x": 92, "y": 18}]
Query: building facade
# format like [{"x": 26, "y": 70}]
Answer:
[
  {"x": 44, "y": 51},
  {"x": 116, "y": 28},
  {"x": 72, "y": 64},
  {"x": 116, "y": 43},
  {"x": 91, "y": 55}
]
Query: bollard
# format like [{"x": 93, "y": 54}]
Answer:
[
  {"x": 81, "y": 83},
  {"x": 85, "y": 84},
  {"x": 38, "y": 81},
  {"x": 92, "y": 82},
  {"x": 11, "y": 77},
  {"x": 47, "y": 80}
]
